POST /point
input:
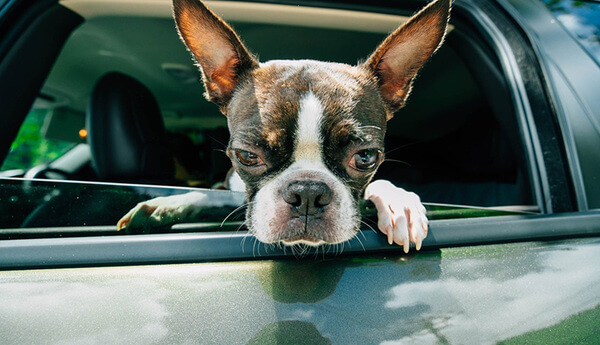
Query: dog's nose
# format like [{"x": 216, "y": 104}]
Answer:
[{"x": 307, "y": 198}]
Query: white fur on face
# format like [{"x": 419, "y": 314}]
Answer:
[{"x": 309, "y": 142}]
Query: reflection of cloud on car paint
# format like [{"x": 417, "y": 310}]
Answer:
[
  {"x": 580, "y": 18},
  {"x": 574, "y": 24},
  {"x": 566, "y": 285},
  {"x": 586, "y": 33},
  {"x": 91, "y": 311}
]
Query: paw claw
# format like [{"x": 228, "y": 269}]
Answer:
[{"x": 122, "y": 224}]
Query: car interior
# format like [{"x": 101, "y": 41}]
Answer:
[{"x": 125, "y": 77}]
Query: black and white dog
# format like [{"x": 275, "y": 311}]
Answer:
[{"x": 307, "y": 136}]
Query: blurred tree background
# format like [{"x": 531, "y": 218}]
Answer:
[{"x": 30, "y": 148}]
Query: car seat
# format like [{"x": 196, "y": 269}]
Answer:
[{"x": 126, "y": 132}]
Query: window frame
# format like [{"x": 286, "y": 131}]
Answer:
[
  {"x": 176, "y": 248},
  {"x": 572, "y": 78}
]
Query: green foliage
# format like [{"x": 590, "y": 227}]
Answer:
[{"x": 30, "y": 148}]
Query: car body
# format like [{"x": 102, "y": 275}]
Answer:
[{"x": 502, "y": 124}]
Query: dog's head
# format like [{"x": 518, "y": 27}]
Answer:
[{"x": 306, "y": 136}]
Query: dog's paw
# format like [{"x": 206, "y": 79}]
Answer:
[
  {"x": 159, "y": 212},
  {"x": 401, "y": 216}
]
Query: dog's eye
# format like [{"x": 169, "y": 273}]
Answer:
[
  {"x": 365, "y": 160},
  {"x": 247, "y": 158}
]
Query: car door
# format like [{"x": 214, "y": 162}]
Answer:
[{"x": 484, "y": 275}]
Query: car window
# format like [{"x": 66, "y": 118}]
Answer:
[
  {"x": 463, "y": 149},
  {"x": 42, "y": 208},
  {"x": 34, "y": 144},
  {"x": 582, "y": 20}
]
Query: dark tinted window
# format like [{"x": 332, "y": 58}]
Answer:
[{"x": 42, "y": 208}]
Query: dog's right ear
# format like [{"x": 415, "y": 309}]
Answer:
[
  {"x": 220, "y": 54},
  {"x": 398, "y": 59}
]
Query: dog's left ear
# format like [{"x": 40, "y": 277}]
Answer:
[
  {"x": 216, "y": 47},
  {"x": 398, "y": 59}
]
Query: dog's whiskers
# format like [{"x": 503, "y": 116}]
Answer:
[
  {"x": 284, "y": 248},
  {"x": 368, "y": 226},
  {"x": 404, "y": 146},
  {"x": 255, "y": 245},
  {"x": 220, "y": 150},
  {"x": 360, "y": 242},
  {"x": 244, "y": 205},
  {"x": 397, "y": 161},
  {"x": 217, "y": 141},
  {"x": 300, "y": 250},
  {"x": 245, "y": 237}
]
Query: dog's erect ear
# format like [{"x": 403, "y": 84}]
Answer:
[
  {"x": 216, "y": 47},
  {"x": 398, "y": 59}
]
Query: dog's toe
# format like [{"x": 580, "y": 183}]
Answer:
[
  {"x": 152, "y": 213},
  {"x": 138, "y": 218}
]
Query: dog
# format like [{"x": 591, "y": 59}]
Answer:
[{"x": 306, "y": 137}]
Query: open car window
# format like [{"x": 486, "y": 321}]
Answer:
[{"x": 466, "y": 148}]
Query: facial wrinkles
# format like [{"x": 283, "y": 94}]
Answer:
[{"x": 299, "y": 101}]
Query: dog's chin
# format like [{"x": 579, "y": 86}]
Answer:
[
  {"x": 292, "y": 236},
  {"x": 331, "y": 228}
]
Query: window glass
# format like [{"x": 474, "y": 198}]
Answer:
[
  {"x": 31, "y": 147},
  {"x": 582, "y": 19},
  {"x": 42, "y": 208}
]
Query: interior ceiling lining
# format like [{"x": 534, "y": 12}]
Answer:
[{"x": 247, "y": 13}]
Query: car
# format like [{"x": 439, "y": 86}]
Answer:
[{"x": 102, "y": 108}]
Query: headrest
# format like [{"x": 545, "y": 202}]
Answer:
[{"x": 126, "y": 132}]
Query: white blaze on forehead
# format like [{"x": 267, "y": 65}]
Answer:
[{"x": 308, "y": 130}]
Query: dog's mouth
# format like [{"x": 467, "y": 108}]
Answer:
[
  {"x": 303, "y": 239},
  {"x": 306, "y": 231}
]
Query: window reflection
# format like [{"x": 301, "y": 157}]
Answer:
[
  {"x": 582, "y": 19},
  {"x": 42, "y": 208},
  {"x": 37, "y": 208}
]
